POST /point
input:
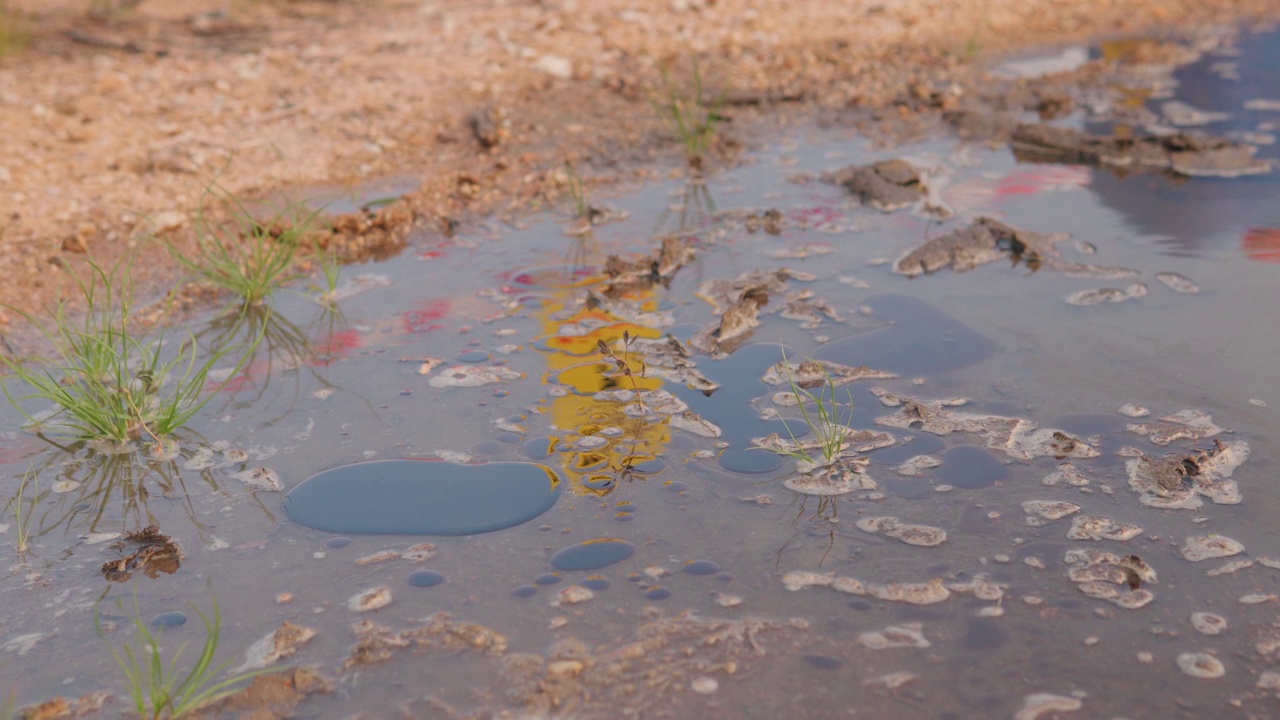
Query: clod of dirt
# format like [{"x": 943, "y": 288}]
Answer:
[
  {"x": 895, "y": 636},
  {"x": 260, "y": 478},
  {"x": 1017, "y": 437},
  {"x": 1105, "y": 576},
  {"x": 269, "y": 697},
  {"x": 1189, "y": 424},
  {"x": 60, "y": 708},
  {"x": 667, "y": 358},
  {"x": 921, "y": 535},
  {"x": 379, "y": 557},
  {"x": 1097, "y": 296},
  {"x": 980, "y": 586},
  {"x": 1208, "y": 623},
  {"x": 892, "y": 681},
  {"x": 843, "y": 476},
  {"x": 371, "y": 599},
  {"x": 419, "y": 553},
  {"x": 1206, "y": 547},
  {"x": 1229, "y": 568},
  {"x": 1184, "y": 154},
  {"x": 375, "y": 643},
  {"x": 1033, "y": 706},
  {"x": 1201, "y": 665},
  {"x": 986, "y": 240},
  {"x": 809, "y": 374},
  {"x": 486, "y": 125},
  {"x": 915, "y": 466},
  {"x": 1066, "y": 473},
  {"x": 887, "y": 185},
  {"x": 736, "y": 325},
  {"x": 1039, "y": 511},
  {"x": 723, "y": 294},
  {"x": 693, "y": 423},
  {"x": 156, "y": 553},
  {"x": 1178, "y": 480},
  {"x": 927, "y": 593},
  {"x": 572, "y": 595},
  {"x": 1093, "y": 527},
  {"x": 1178, "y": 283},
  {"x": 280, "y": 643},
  {"x": 802, "y": 306},
  {"x": 1133, "y": 411},
  {"x": 469, "y": 376},
  {"x": 657, "y": 268}
]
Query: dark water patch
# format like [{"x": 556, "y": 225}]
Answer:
[
  {"x": 911, "y": 488},
  {"x": 922, "y": 339},
  {"x": 525, "y": 591},
  {"x": 595, "y": 582},
  {"x": 592, "y": 554},
  {"x": 750, "y": 462},
  {"x": 425, "y": 578},
  {"x": 676, "y": 486},
  {"x": 724, "y": 576},
  {"x": 547, "y": 579},
  {"x": 983, "y": 634},
  {"x": 626, "y": 506},
  {"x": 823, "y": 662},
  {"x": 860, "y": 604},
  {"x": 414, "y": 497},
  {"x": 337, "y": 543},
  {"x": 921, "y": 613},
  {"x": 474, "y": 356},
  {"x": 701, "y": 567},
  {"x": 649, "y": 468},
  {"x": 657, "y": 592},
  {"x": 170, "y": 619},
  {"x": 509, "y": 437},
  {"x": 490, "y": 447},
  {"x": 969, "y": 466}
]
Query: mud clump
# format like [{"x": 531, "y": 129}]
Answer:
[
  {"x": 921, "y": 535},
  {"x": 1093, "y": 527},
  {"x": 1207, "y": 547},
  {"x": 1192, "y": 155},
  {"x": 986, "y": 240},
  {"x": 843, "y": 476},
  {"x": 1178, "y": 481},
  {"x": 887, "y": 185},
  {"x": 269, "y": 697},
  {"x": 656, "y": 269},
  {"x": 895, "y": 636},
  {"x": 375, "y": 643},
  {"x": 1184, "y": 424},
  {"x": 1097, "y": 296},
  {"x": 1201, "y": 665},
  {"x": 154, "y": 553},
  {"x": 280, "y": 643},
  {"x": 1105, "y": 576}
]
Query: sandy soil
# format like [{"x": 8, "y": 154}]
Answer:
[{"x": 115, "y": 122}]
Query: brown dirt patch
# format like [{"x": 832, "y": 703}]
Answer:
[{"x": 114, "y": 125}]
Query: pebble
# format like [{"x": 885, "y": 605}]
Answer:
[{"x": 704, "y": 685}]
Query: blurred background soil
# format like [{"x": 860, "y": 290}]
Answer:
[{"x": 116, "y": 116}]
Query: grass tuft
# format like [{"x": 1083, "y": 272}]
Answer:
[
  {"x": 690, "y": 118},
  {"x": 22, "y": 520},
  {"x": 161, "y": 689},
  {"x": 238, "y": 253},
  {"x": 823, "y": 421},
  {"x": 107, "y": 379}
]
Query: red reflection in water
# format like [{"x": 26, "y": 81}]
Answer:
[
  {"x": 421, "y": 317},
  {"x": 337, "y": 345},
  {"x": 248, "y": 377},
  {"x": 1262, "y": 244},
  {"x": 1030, "y": 182}
]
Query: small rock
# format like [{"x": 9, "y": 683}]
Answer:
[{"x": 704, "y": 685}]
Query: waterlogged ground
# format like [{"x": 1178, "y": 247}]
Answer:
[{"x": 978, "y": 565}]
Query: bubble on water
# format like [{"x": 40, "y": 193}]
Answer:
[
  {"x": 170, "y": 619},
  {"x": 547, "y": 579},
  {"x": 700, "y": 567},
  {"x": 595, "y": 582},
  {"x": 823, "y": 662},
  {"x": 425, "y": 578},
  {"x": 524, "y": 591},
  {"x": 657, "y": 592}
]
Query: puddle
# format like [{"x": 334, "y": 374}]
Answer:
[
  {"x": 415, "y": 497},
  {"x": 1039, "y": 499}
]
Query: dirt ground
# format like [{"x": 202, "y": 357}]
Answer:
[{"x": 116, "y": 119}]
